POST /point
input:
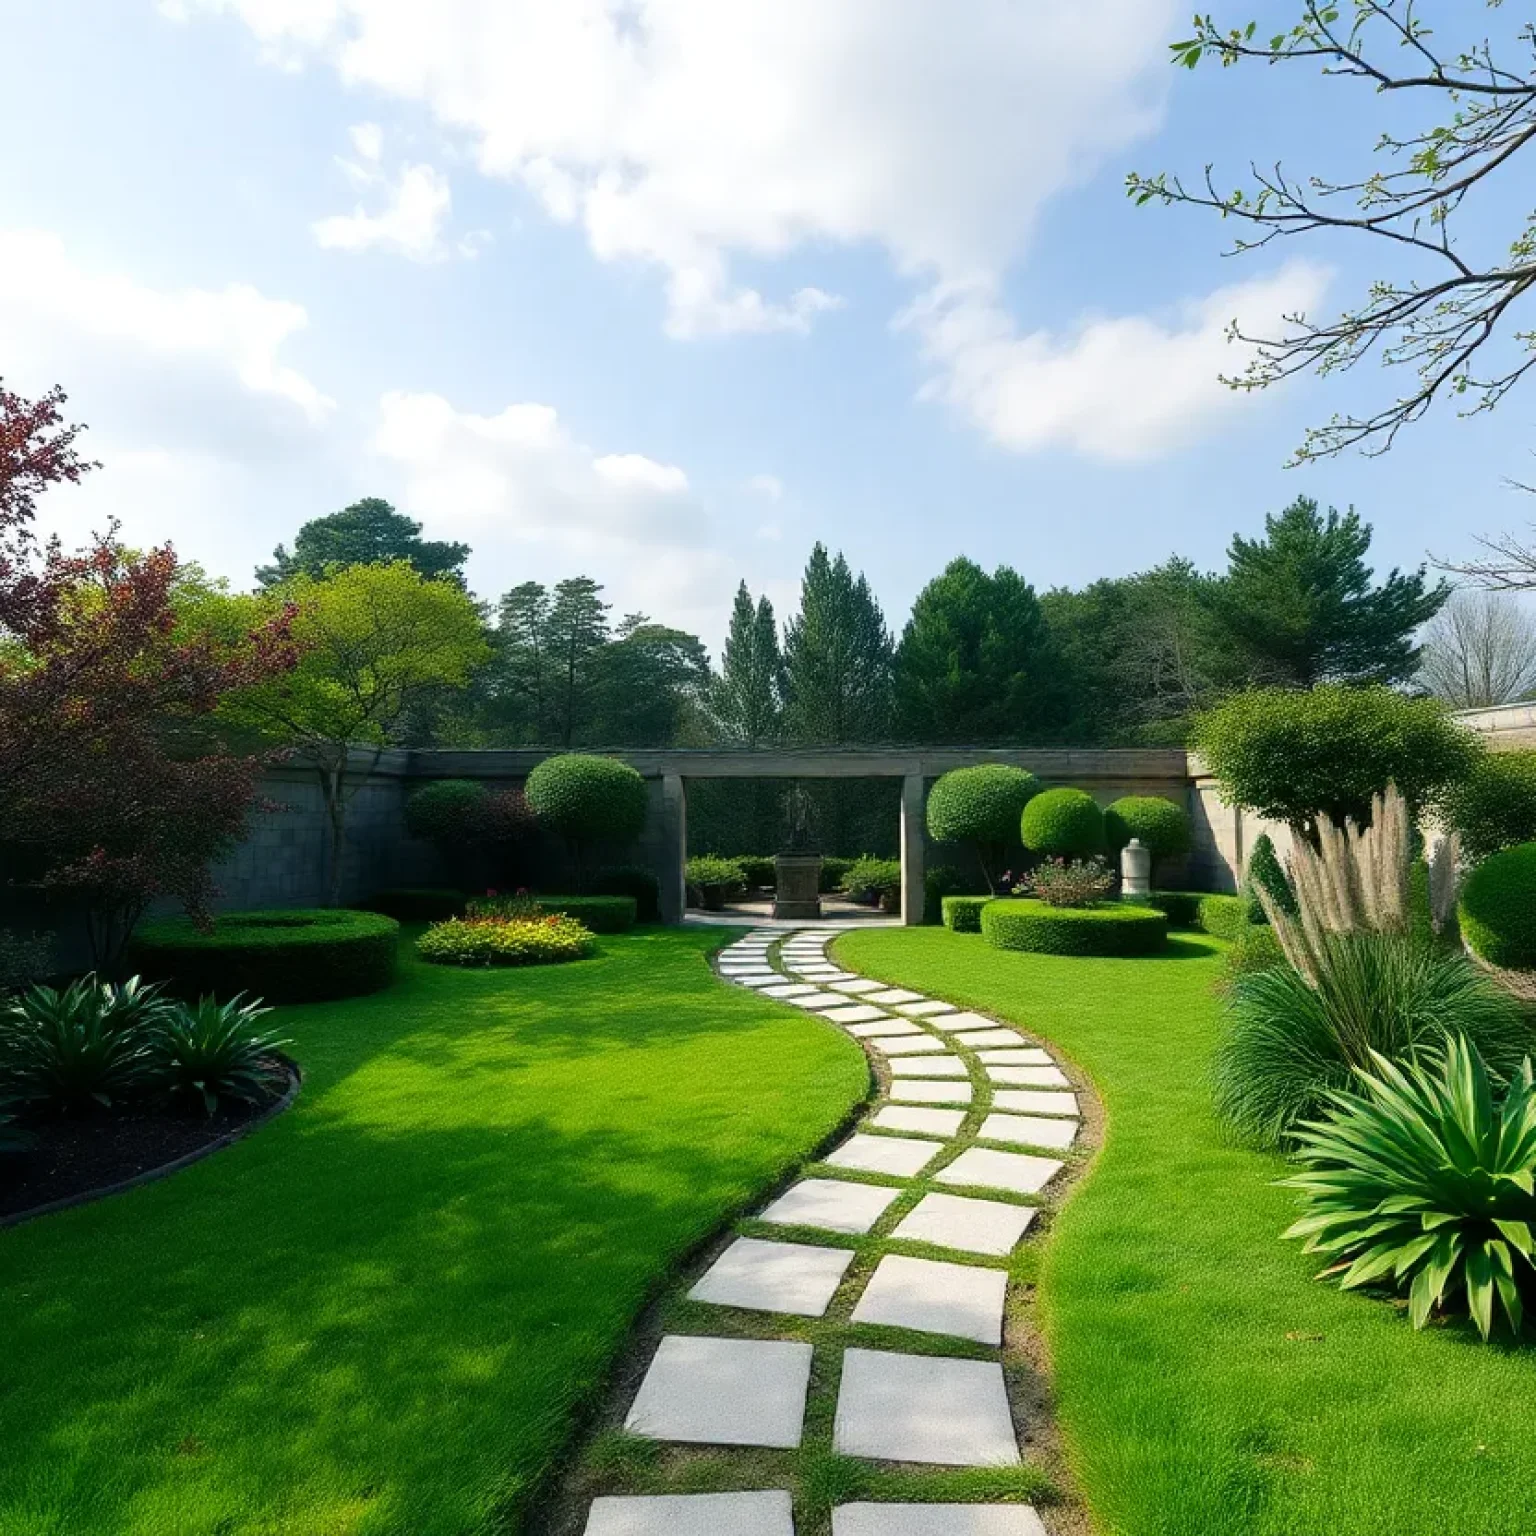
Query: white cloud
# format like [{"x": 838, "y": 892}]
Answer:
[
  {"x": 367, "y": 140},
  {"x": 769, "y": 487},
  {"x": 1124, "y": 388}
]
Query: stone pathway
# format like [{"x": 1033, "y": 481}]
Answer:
[{"x": 928, "y": 1408}]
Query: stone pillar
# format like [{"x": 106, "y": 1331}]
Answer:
[
  {"x": 1135, "y": 871},
  {"x": 913, "y": 833},
  {"x": 674, "y": 848}
]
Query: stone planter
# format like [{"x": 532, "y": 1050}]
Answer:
[
  {"x": 798, "y": 878},
  {"x": 712, "y": 897}
]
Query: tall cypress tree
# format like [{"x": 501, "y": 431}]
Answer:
[
  {"x": 748, "y": 696},
  {"x": 577, "y": 631},
  {"x": 837, "y": 659}
]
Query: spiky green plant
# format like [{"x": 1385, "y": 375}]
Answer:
[
  {"x": 1426, "y": 1180},
  {"x": 214, "y": 1050}
]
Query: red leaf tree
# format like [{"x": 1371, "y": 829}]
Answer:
[{"x": 113, "y": 784}]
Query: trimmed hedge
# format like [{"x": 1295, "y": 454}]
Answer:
[
  {"x": 1115, "y": 929},
  {"x": 291, "y": 956},
  {"x": 1498, "y": 909},
  {"x": 757, "y": 870},
  {"x": 598, "y": 914},
  {"x": 979, "y": 805},
  {"x": 632, "y": 880},
  {"x": 1066, "y": 823},
  {"x": 962, "y": 914},
  {"x": 1162, "y": 826},
  {"x": 418, "y": 904},
  {"x": 588, "y": 799},
  {"x": 1223, "y": 917},
  {"x": 1181, "y": 908}
]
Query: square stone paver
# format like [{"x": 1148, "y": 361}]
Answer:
[
  {"x": 1029, "y": 1056},
  {"x": 791, "y": 990},
  {"x": 908, "y": 1045},
  {"x": 883, "y": 1154},
  {"x": 917, "y": 1090},
  {"x": 1035, "y": 1101},
  {"x": 861, "y": 985},
  {"x": 934, "y": 1297},
  {"x": 921, "y": 1122},
  {"x": 724, "y": 1392},
  {"x": 832, "y": 1205},
  {"x": 855, "y": 1013},
  {"x": 973, "y": 1226},
  {"x": 774, "y": 1277},
  {"x": 763, "y": 978},
  {"x": 927, "y": 1009},
  {"x": 966, "y": 1021},
  {"x": 895, "y": 995},
  {"x": 930, "y": 1066},
  {"x": 1029, "y": 1131},
  {"x": 1016, "y": 1172},
  {"x": 932, "y": 1520},
  {"x": 952, "y": 1413},
  {"x": 698, "y": 1514},
  {"x": 816, "y": 998},
  {"x": 1029, "y": 1077},
  {"x": 885, "y": 1025},
  {"x": 976, "y": 1038}
]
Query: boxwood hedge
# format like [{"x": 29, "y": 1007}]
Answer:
[
  {"x": 588, "y": 799},
  {"x": 289, "y": 956},
  {"x": 962, "y": 914},
  {"x": 1162, "y": 826},
  {"x": 1115, "y": 929},
  {"x": 598, "y": 914},
  {"x": 1065, "y": 823},
  {"x": 1498, "y": 909}
]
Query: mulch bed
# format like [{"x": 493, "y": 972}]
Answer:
[{"x": 89, "y": 1153}]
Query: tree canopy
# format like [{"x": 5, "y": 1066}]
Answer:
[
  {"x": 369, "y": 532},
  {"x": 748, "y": 697}
]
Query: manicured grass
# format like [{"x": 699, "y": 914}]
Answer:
[
  {"x": 1207, "y": 1386},
  {"x": 381, "y": 1313}
]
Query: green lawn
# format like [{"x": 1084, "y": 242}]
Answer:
[
  {"x": 381, "y": 1312},
  {"x": 1206, "y": 1385}
]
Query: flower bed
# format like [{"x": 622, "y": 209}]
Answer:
[
  {"x": 1108, "y": 930},
  {"x": 549, "y": 939}
]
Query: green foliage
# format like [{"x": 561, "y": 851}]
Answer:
[
  {"x": 1223, "y": 917},
  {"x": 89, "y": 1043},
  {"x": 484, "y": 941},
  {"x": 1256, "y": 948},
  {"x": 588, "y": 799},
  {"x": 878, "y": 877},
  {"x": 1111, "y": 930},
  {"x": 756, "y": 869},
  {"x": 215, "y": 1051},
  {"x": 962, "y": 914},
  {"x": 286, "y": 956},
  {"x": 710, "y": 871},
  {"x": 1289, "y": 1045},
  {"x": 24, "y": 958},
  {"x": 747, "y": 700},
  {"x": 1494, "y": 807},
  {"x": 1498, "y": 909},
  {"x": 1065, "y": 823},
  {"x": 981, "y": 806},
  {"x": 1292, "y": 756},
  {"x": 834, "y": 871},
  {"x": 1181, "y": 908},
  {"x": 940, "y": 881},
  {"x": 1266, "y": 872},
  {"x": 598, "y": 914},
  {"x": 1422, "y": 1180},
  {"x": 418, "y": 904},
  {"x": 1162, "y": 826},
  {"x": 369, "y": 532},
  {"x": 635, "y": 881},
  {"x": 447, "y": 812},
  {"x": 976, "y": 663}
]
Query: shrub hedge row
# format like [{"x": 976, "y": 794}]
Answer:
[
  {"x": 1498, "y": 909},
  {"x": 962, "y": 914},
  {"x": 1115, "y": 929}
]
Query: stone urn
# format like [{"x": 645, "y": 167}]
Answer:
[
  {"x": 1135, "y": 871},
  {"x": 797, "y": 886}
]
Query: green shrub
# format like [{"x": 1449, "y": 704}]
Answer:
[
  {"x": 447, "y": 812},
  {"x": 1223, "y": 917},
  {"x": 289, "y": 956},
  {"x": 877, "y": 877},
  {"x": 1065, "y": 823},
  {"x": 757, "y": 870},
  {"x": 1162, "y": 826},
  {"x": 962, "y": 914},
  {"x": 1267, "y": 873},
  {"x": 1494, "y": 807},
  {"x": 1113, "y": 929},
  {"x": 938, "y": 882},
  {"x": 1181, "y": 908},
  {"x": 1288, "y": 1045},
  {"x": 25, "y": 958},
  {"x": 482, "y": 941},
  {"x": 833, "y": 872},
  {"x": 588, "y": 799},
  {"x": 597, "y": 914},
  {"x": 981, "y": 806},
  {"x": 1255, "y": 949},
  {"x": 418, "y": 904},
  {"x": 1422, "y": 1181},
  {"x": 215, "y": 1051},
  {"x": 708, "y": 870},
  {"x": 1068, "y": 883},
  {"x": 1292, "y": 755},
  {"x": 632, "y": 880},
  {"x": 1498, "y": 909}
]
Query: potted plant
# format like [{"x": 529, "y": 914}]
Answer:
[{"x": 715, "y": 879}]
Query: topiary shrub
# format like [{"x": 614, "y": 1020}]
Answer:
[
  {"x": 1498, "y": 909},
  {"x": 1181, "y": 908},
  {"x": 1494, "y": 807},
  {"x": 446, "y": 812},
  {"x": 294, "y": 956},
  {"x": 1223, "y": 917},
  {"x": 1162, "y": 826},
  {"x": 1065, "y": 823},
  {"x": 484, "y": 941},
  {"x": 1110, "y": 930},
  {"x": 938, "y": 882},
  {"x": 962, "y": 914},
  {"x": 597, "y": 914},
  {"x": 981, "y": 806},
  {"x": 587, "y": 800},
  {"x": 1265, "y": 872},
  {"x": 632, "y": 880},
  {"x": 418, "y": 904}
]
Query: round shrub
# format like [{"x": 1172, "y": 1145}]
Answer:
[
  {"x": 505, "y": 941},
  {"x": 418, "y": 904},
  {"x": 980, "y": 806},
  {"x": 962, "y": 914},
  {"x": 1112, "y": 930},
  {"x": 1494, "y": 807},
  {"x": 447, "y": 812},
  {"x": 874, "y": 877},
  {"x": 1162, "y": 826},
  {"x": 588, "y": 799},
  {"x": 296, "y": 956},
  {"x": 1066, "y": 823},
  {"x": 1498, "y": 909},
  {"x": 632, "y": 880},
  {"x": 706, "y": 870},
  {"x": 1223, "y": 917}
]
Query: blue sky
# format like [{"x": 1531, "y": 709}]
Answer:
[{"x": 664, "y": 291}]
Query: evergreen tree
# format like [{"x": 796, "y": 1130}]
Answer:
[
  {"x": 837, "y": 659},
  {"x": 518, "y": 708},
  {"x": 369, "y": 532},
  {"x": 576, "y": 629},
  {"x": 748, "y": 695},
  {"x": 650, "y": 686},
  {"x": 1299, "y": 607},
  {"x": 976, "y": 663}
]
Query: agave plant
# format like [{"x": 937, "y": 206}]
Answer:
[
  {"x": 215, "y": 1050},
  {"x": 1426, "y": 1180},
  {"x": 89, "y": 1042}
]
